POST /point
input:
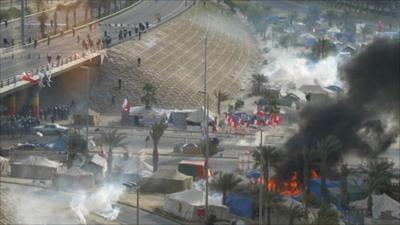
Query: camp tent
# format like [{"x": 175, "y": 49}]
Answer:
[
  {"x": 190, "y": 205},
  {"x": 381, "y": 204},
  {"x": 34, "y": 167},
  {"x": 96, "y": 165},
  {"x": 132, "y": 167},
  {"x": 5, "y": 167},
  {"x": 72, "y": 179},
  {"x": 197, "y": 116},
  {"x": 167, "y": 181}
]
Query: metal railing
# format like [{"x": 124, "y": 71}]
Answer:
[{"x": 64, "y": 61}]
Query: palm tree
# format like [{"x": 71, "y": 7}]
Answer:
[
  {"x": 74, "y": 7},
  {"x": 220, "y": 97},
  {"x": 324, "y": 148},
  {"x": 378, "y": 174},
  {"x": 59, "y": 7},
  {"x": 156, "y": 132},
  {"x": 258, "y": 81},
  {"x": 74, "y": 146},
  {"x": 292, "y": 17},
  {"x": 294, "y": 212},
  {"x": 326, "y": 215},
  {"x": 225, "y": 183},
  {"x": 265, "y": 157},
  {"x": 330, "y": 16},
  {"x": 113, "y": 140},
  {"x": 42, "y": 20},
  {"x": 149, "y": 95}
]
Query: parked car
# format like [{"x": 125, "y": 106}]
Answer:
[{"x": 52, "y": 128}]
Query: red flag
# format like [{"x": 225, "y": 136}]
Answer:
[{"x": 28, "y": 77}]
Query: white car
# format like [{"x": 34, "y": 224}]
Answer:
[{"x": 51, "y": 128}]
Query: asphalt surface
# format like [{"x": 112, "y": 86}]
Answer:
[
  {"x": 33, "y": 58},
  {"x": 127, "y": 215}
]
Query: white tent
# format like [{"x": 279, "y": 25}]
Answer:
[
  {"x": 198, "y": 116},
  {"x": 381, "y": 203},
  {"x": 39, "y": 161},
  {"x": 134, "y": 165},
  {"x": 5, "y": 167},
  {"x": 189, "y": 204}
]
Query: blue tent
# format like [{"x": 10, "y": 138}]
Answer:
[
  {"x": 334, "y": 88},
  {"x": 345, "y": 37},
  {"x": 253, "y": 173},
  {"x": 315, "y": 185},
  {"x": 240, "y": 205}
]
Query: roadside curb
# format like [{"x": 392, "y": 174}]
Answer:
[{"x": 156, "y": 212}]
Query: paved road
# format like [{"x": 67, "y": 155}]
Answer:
[
  {"x": 127, "y": 215},
  {"x": 32, "y": 58},
  {"x": 13, "y": 30}
]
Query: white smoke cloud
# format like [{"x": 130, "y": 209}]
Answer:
[
  {"x": 101, "y": 203},
  {"x": 288, "y": 66}
]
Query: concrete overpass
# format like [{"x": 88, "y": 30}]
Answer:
[{"x": 73, "y": 55}]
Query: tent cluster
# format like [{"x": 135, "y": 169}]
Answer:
[{"x": 259, "y": 119}]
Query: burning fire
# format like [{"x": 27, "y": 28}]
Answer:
[
  {"x": 314, "y": 174},
  {"x": 292, "y": 187}
]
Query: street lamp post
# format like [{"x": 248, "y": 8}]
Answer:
[
  {"x": 137, "y": 187},
  {"x": 87, "y": 104},
  {"x": 260, "y": 206}
]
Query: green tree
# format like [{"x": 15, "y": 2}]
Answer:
[
  {"x": 239, "y": 104},
  {"x": 378, "y": 174},
  {"x": 266, "y": 157},
  {"x": 258, "y": 80},
  {"x": 156, "y": 132},
  {"x": 75, "y": 146},
  {"x": 294, "y": 212},
  {"x": 113, "y": 140},
  {"x": 323, "y": 150},
  {"x": 42, "y": 20},
  {"x": 225, "y": 183},
  {"x": 149, "y": 95},
  {"x": 220, "y": 97},
  {"x": 326, "y": 216}
]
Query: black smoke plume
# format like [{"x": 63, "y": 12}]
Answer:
[{"x": 365, "y": 119}]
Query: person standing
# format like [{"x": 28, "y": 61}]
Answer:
[
  {"x": 48, "y": 39},
  {"x": 119, "y": 84},
  {"x": 73, "y": 32},
  {"x": 35, "y": 43},
  {"x": 112, "y": 100},
  {"x": 139, "y": 61}
]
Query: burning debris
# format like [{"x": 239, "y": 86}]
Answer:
[{"x": 372, "y": 95}]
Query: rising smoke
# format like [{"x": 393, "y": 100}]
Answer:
[{"x": 366, "y": 119}]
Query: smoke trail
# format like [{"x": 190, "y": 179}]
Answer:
[{"x": 101, "y": 202}]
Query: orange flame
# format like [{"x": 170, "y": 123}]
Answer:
[
  {"x": 314, "y": 174},
  {"x": 292, "y": 187}
]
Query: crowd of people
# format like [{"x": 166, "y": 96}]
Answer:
[{"x": 23, "y": 122}]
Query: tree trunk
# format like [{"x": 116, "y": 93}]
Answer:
[
  {"x": 66, "y": 20},
  {"x": 369, "y": 205},
  {"x": 109, "y": 163},
  {"x": 42, "y": 28},
  {"x": 324, "y": 191},
  {"x": 74, "y": 15},
  {"x": 266, "y": 178},
  {"x": 55, "y": 22},
  {"x": 218, "y": 107},
  {"x": 155, "y": 156},
  {"x": 223, "y": 197}
]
